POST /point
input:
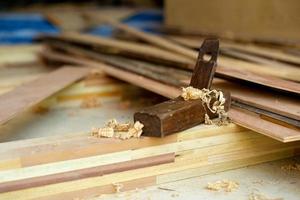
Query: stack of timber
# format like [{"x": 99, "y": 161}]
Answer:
[
  {"x": 81, "y": 166},
  {"x": 268, "y": 104}
]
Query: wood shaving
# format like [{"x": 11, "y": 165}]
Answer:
[
  {"x": 106, "y": 132},
  {"x": 91, "y": 102},
  {"x": 226, "y": 185},
  {"x": 118, "y": 187},
  {"x": 291, "y": 167},
  {"x": 207, "y": 120},
  {"x": 206, "y": 95},
  {"x": 113, "y": 129}
]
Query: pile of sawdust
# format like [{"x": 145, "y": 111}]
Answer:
[
  {"x": 113, "y": 129},
  {"x": 206, "y": 95},
  {"x": 226, "y": 185}
]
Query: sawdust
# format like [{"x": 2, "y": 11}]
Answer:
[
  {"x": 258, "y": 196},
  {"x": 226, "y": 185},
  {"x": 291, "y": 167},
  {"x": 206, "y": 95},
  {"x": 113, "y": 129},
  {"x": 91, "y": 102}
]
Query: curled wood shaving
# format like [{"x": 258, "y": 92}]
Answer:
[
  {"x": 226, "y": 185},
  {"x": 106, "y": 132},
  {"x": 207, "y": 120},
  {"x": 206, "y": 95},
  {"x": 113, "y": 129}
]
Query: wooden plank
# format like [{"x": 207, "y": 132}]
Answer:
[
  {"x": 149, "y": 84},
  {"x": 157, "y": 171},
  {"x": 274, "y": 102},
  {"x": 255, "y": 123},
  {"x": 226, "y": 63},
  {"x": 115, "y": 46},
  {"x": 249, "y": 48},
  {"x": 29, "y": 94},
  {"x": 167, "y": 74},
  {"x": 54, "y": 149},
  {"x": 86, "y": 172}
]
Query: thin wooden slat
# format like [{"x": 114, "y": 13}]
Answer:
[
  {"x": 255, "y": 123},
  {"x": 113, "y": 46},
  {"x": 265, "y": 52},
  {"x": 294, "y": 72},
  {"x": 86, "y": 173},
  {"x": 274, "y": 102},
  {"x": 29, "y": 94},
  {"x": 228, "y": 68}
]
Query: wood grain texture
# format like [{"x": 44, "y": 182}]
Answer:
[
  {"x": 161, "y": 174},
  {"x": 255, "y": 123},
  {"x": 225, "y": 62},
  {"x": 29, "y": 94},
  {"x": 175, "y": 115},
  {"x": 115, "y": 46},
  {"x": 86, "y": 173},
  {"x": 274, "y": 102},
  {"x": 228, "y": 68},
  {"x": 249, "y": 48}
]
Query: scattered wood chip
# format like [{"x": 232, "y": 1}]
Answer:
[
  {"x": 257, "y": 196},
  {"x": 226, "y": 185},
  {"x": 113, "y": 129},
  {"x": 91, "y": 102},
  {"x": 206, "y": 95},
  {"x": 291, "y": 167},
  {"x": 118, "y": 187}
]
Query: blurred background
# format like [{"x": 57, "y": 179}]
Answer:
[{"x": 273, "y": 22}]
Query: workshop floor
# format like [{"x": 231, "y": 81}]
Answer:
[{"x": 266, "y": 181}]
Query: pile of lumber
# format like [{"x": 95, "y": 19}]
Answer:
[
  {"x": 264, "y": 107},
  {"x": 265, "y": 96},
  {"x": 82, "y": 166}
]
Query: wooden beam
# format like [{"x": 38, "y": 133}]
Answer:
[{"x": 29, "y": 94}]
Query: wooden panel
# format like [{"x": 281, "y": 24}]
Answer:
[
  {"x": 274, "y": 20},
  {"x": 29, "y": 94}
]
